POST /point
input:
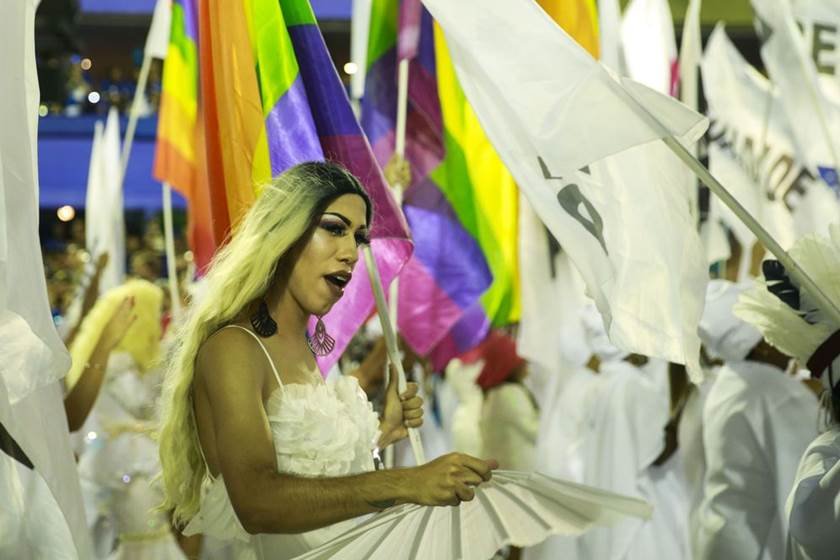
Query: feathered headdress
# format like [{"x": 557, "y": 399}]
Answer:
[{"x": 786, "y": 316}]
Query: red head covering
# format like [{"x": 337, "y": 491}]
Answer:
[{"x": 500, "y": 359}]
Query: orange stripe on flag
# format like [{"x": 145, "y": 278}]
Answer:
[
  {"x": 234, "y": 115},
  {"x": 579, "y": 18}
]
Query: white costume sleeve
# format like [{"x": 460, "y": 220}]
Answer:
[
  {"x": 739, "y": 503},
  {"x": 814, "y": 502}
]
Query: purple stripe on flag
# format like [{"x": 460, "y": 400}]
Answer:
[
  {"x": 191, "y": 20},
  {"x": 327, "y": 96},
  {"x": 292, "y": 138},
  {"x": 426, "y": 47},
  {"x": 453, "y": 257},
  {"x": 379, "y": 104},
  {"x": 425, "y": 312},
  {"x": 465, "y": 335}
]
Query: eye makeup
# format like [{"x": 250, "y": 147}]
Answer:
[
  {"x": 338, "y": 228},
  {"x": 362, "y": 238}
]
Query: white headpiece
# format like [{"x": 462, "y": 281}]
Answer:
[
  {"x": 724, "y": 335},
  {"x": 800, "y": 328}
]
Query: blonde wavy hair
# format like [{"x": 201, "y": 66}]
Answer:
[
  {"x": 141, "y": 340},
  {"x": 241, "y": 273}
]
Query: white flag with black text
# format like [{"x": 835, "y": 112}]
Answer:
[{"x": 752, "y": 151}]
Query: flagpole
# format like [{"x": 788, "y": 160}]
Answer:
[
  {"x": 169, "y": 241},
  {"x": 399, "y": 152},
  {"x": 394, "y": 288},
  {"x": 391, "y": 343},
  {"x": 133, "y": 115}
]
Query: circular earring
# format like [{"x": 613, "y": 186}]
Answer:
[{"x": 262, "y": 322}]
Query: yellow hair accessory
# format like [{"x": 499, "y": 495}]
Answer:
[{"x": 141, "y": 341}]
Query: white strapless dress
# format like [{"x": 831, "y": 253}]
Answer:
[{"x": 319, "y": 430}]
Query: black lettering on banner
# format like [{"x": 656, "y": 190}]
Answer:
[
  {"x": 820, "y": 44},
  {"x": 775, "y": 178},
  {"x": 797, "y": 189},
  {"x": 570, "y": 198}
]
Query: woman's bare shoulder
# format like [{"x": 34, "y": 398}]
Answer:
[{"x": 229, "y": 351}]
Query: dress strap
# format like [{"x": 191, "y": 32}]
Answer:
[
  {"x": 200, "y": 448},
  {"x": 265, "y": 351}
]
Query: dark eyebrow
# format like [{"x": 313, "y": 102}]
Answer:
[
  {"x": 340, "y": 216},
  {"x": 346, "y": 220}
]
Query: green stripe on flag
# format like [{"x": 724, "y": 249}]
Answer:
[
  {"x": 384, "y": 17},
  {"x": 269, "y": 37},
  {"x": 178, "y": 37},
  {"x": 298, "y": 12}
]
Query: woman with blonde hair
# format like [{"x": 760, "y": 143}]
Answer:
[
  {"x": 116, "y": 379},
  {"x": 256, "y": 448}
]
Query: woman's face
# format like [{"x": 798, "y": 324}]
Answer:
[{"x": 327, "y": 257}]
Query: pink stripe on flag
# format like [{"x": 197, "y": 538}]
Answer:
[
  {"x": 426, "y": 313},
  {"x": 408, "y": 37}
]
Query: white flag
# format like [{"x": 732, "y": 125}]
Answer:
[
  {"x": 104, "y": 221},
  {"x": 550, "y": 333},
  {"x": 650, "y": 48},
  {"x": 792, "y": 69},
  {"x": 550, "y": 110},
  {"x": 691, "y": 50},
  {"x": 157, "y": 41},
  {"x": 751, "y": 150},
  {"x": 819, "y": 22},
  {"x": 609, "y": 35},
  {"x": 42, "y": 473}
]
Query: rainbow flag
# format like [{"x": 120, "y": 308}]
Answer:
[
  {"x": 462, "y": 204},
  {"x": 179, "y": 153},
  {"x": 269, "y": 98}
]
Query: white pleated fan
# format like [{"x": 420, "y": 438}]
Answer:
[
  {"x": 514, "y": 508},
  {"x": 798, "y": 333}
]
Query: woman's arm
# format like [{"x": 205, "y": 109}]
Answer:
[
  {"x": 81, "y": 398},
  {"x": 230, "y": 375},
  {"x": 91, "y": 294}
]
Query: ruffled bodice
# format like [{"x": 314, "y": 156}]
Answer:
[{"x": 318, "y": 430}]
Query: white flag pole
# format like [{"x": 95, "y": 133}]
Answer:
[
  {"x": 394, "y": 289},
  {"x": 169, "y": 240},
  {"x": 133, "y": 115},
  {"x": 399, "y": 151},
  {"x": 391, "y": 342}
]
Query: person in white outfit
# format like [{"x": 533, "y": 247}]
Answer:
[
  {"x": 793, "y": 323},
  {"x": 604, "y": 425},
  {"x": 118, "y": 460},
  {"x": 757, "y": 421},
  {"x": 509, "y": 416},
  {"x": 256, "y": 448}
]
